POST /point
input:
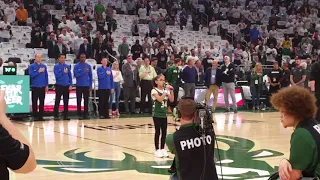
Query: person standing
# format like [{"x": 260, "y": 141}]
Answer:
[
  {"x": 256, "y": 82},
  {"x": 16, "y": 152},
  {"x": 227, "y": 78},
  {"x": 83, "y": 74},
  {"x": 189, "y": 74},
  {"x": 117, "y": 80},
  {"x": 105, "y": 87},
  {"x": 22, "y": 15},
  {"x": 160, "y": 93},
  {"x": 173, "y": 78},
  {"x": 285, "y": 78},
  {"x": 146, "y": 73},
  {"x": 315, "y": 85},
  {"x": 130, "y": 85},
  {"x": 62, "y": 73},
  {"x": 274, "y": 78},
  {"x": 39, "y": 86},
  {"x": 213, "y": 82},
  {"x": 123, "y": 50},
  {"x": 298, "y": 75}
]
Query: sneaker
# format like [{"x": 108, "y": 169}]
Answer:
[
  {"x": 164, "y": 153},
  {"x": 158, "y": 153}
]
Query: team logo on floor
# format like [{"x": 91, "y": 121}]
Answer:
[{"x": 237, "y": 162}]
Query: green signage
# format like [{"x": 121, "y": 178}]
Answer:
[
  {"x": 16, "y": 93},
  {"x": 239, "y": 161}
]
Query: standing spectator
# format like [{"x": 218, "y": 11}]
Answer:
[
  {"x": 59, "y": 4},
  {"x": 298, "y": 75},
  {"x": 77, "y": 43},
  {"x": 189, "y": 74},
  {"x": 98, "y": 47},
  {"x": 59, "y": 48},
  {"x": 173, "y": 78},
  {"x": 200, "y": 73},
  {"x": 214, "y": 52},
  {"x": 136, "y": 50},
  {"x": 85, "y": 48},
  {"x": 62, "y": 73},
  {"x": 207, "y": 61},
  {"x": 10, "y": 12},
  {"x": 162, "y": 27},
  {"x": 256, "y": 85},
  {"x": 130, "y": 85},
  {"x": 146, "y": 74},
  {"x": 154, "y": 64},
  {"x": 227, "y": 78},
  {"x": 238, "y": 55},
  {"x": 50, "y": 46},
  {"x": 142, "y": 12},
  {"x": 286, "y": 46},
  {"x": 213, "y": 83},
  {"x": 131, "y": 7},
  {"x": 274, "y": 78},
  {"x": 83, "y": 74},
  {"x": 63, "y": 23},
  {"x": 285, "y": 80},
  {"x": 100, "y": 23},
  {"x": 146, "y": 47},
  {"x": 123, "y": 50},
  {"x": 105, "y": 87},
  {"x": 254, "y": 35},
  {"x": 271, "y": 54},
  {"x": 162, "y": 58},
  {"x": 36, "y": 40},
  {"x": 153, "y": 28},
  {"x": 98, "y": 8},
  {"x": 22, "y": 15},
  {"x": 39, "y": 86},
  {"x": 227, "y": 51},
  {"x": 213, "y": 27},
  {"x": 117, "y": 80},
  {"x": 135, "y": 28},
  {"x": 5, "y": 30}
]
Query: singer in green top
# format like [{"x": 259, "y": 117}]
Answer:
[{"x": 160, "y": 95}]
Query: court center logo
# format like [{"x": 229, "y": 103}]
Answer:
[{"x": 238, "y": 161}]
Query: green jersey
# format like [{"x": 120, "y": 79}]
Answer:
[
  {"x": 159, "y": 109},
  {"x": 303, "y": 151},
  {"x": 173, "y": 75}
]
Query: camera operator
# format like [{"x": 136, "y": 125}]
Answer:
[{"x": 194, "y": 151}]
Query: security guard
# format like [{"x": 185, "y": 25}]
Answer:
[
  {"x": 274, "y": 77},
  {"x": 194, "y": 153}
]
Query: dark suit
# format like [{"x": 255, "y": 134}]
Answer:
[
  {"x": 57, "y": 50},
  {"x": 212, "y": 87},
  {"x": 131, "y": 81},
  {"x": 50, "y": 47},
  {"x": 87, "y": 51}
]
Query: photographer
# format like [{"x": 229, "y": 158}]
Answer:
[
  {"x": 194, "y": 151},
  {"x": 15, "y": 151}
]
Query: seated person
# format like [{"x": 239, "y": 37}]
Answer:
[
  {"x": 305, "y": 139},
  {"x": 190, "y": 148}
]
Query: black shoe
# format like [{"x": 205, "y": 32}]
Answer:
[
  {"x": 101, "y": 117},
  {"x": 107, "y": 117},
  {"x": 35, "y": 119},
  {"x": 66, "y": 118},
  {"x": 227, "y": 110},
  {"x": 56, "y": 118},
  {"x": 85, "y": 117},
  {"x": 40, "y": 119},
  {"x": 133, "y": 113},
  {"x": 80, "y": 117}
]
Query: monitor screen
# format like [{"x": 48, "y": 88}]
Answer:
[
  {"x": 9, "y": 70},
  {"x": 200, "y": 94}
]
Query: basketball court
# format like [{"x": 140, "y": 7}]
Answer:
[{"x": 250, "y": 147}]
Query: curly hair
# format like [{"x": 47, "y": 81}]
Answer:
[{"x": 296, "y": 101}]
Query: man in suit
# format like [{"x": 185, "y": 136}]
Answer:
[
  {"x": 85, "y": 48},
  {"x": 131, "y": 83},
  {"x": 39, "y": 86},
  {"x": 50, "y": 45},
  {"x": 228, "y": 85},
  {"x": 213, "y": 82},
  {"x": 83, "y": 73},
  {"x": 59, "y": 48},
  {"x": 63, "y": 85}
]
